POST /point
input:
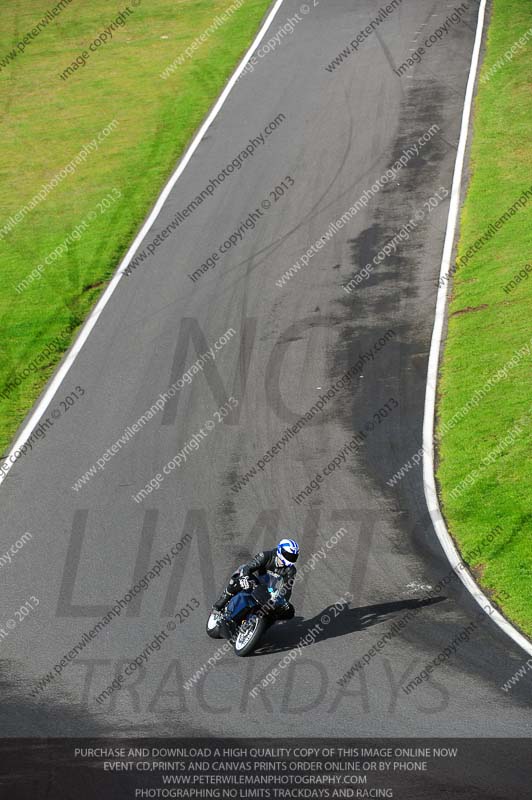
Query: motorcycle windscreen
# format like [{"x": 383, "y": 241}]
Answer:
[
  {"x": 274, "y": 585},
  {"x": 239, "y": 604}
]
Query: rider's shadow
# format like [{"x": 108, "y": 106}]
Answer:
[{"x": 333, "y": 622}]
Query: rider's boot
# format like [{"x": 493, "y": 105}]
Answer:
[{"x": 220, "y": 604}]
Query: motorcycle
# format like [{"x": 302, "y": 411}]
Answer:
[{"x": 248, "y": 614}]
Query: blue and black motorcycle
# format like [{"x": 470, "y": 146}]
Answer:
[{"x": 249, "y": 614}]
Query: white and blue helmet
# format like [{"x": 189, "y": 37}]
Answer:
[{"x": 287, "y": 552}]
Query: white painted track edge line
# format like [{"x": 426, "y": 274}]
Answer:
[
  {"x": 93, "y": 317},
  {"x": 429, "y": 480}
]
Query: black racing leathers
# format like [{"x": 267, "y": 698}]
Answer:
[
  {"x": 266, "y": 562},
  {"x": 261, "y": 564}
]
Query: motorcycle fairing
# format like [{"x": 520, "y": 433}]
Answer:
[{"x": 238, "y": 606}]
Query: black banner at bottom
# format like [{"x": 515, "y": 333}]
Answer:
[{"x": 274, "y": 769}]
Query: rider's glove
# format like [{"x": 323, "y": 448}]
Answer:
[{"x": 245, "y": 583}]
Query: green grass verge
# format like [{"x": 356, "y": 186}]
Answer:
[
  {"x": 46, "y": 122},
  {"x": 487, "y": 325}
]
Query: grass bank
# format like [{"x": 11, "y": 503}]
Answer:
[
  {"x": 485, "y": 392},
  {"x": 85, "y": 155}
]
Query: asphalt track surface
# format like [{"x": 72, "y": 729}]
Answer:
[{"x": 341, "y": 131}]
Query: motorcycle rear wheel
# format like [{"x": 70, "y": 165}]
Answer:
[
  {"x": 249, "y": 634},
  {"x": 213, "y": 627}
]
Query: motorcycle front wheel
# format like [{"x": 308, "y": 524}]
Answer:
[{"x": 249, "y": 634}]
